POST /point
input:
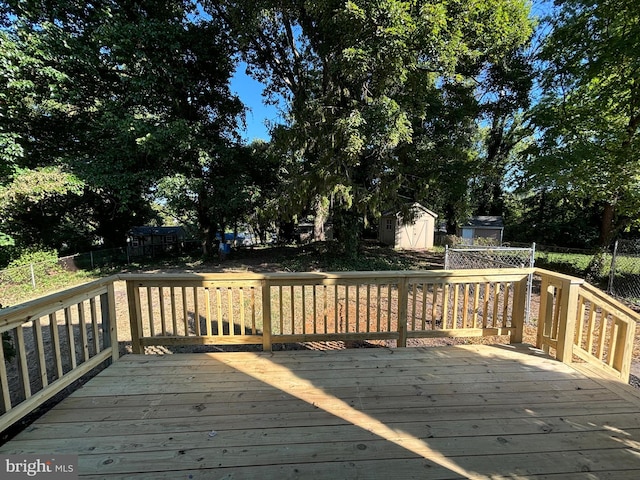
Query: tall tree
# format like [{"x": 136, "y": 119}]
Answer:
[
  {"x": 588, "y": 120},
  {"x": 351, "y": 73},
  {"x": 142, "y": 92}
]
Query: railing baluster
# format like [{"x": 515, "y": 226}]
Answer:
[
  {"x": 163, "y": 316},
  {"x": 445, "y": 305},
  {"x": 4, "y": 382},
  {"x": 93, "y": 310},
  {"x": 23, "y": 365},
  {"x": 315, "y": 313},
  {"x": 55, "y": 340},
  {"x": 325, "y": 314},
  {"x": 152, "y": 322},
  {"x": 196, "y": 311},
  {"x": 505, "y": 304},
  {"x": 476, "y": 304},
  {"x": 434, "y": 306},
  {"x": 71, "y": 343},
  {"x": 243, "y": 330},
  {"x": 456, "y": 300},
  {"x": 281, "y": 309},
  {"x": 232, "y": 323},
  {"x": 207, "y": 300},
  {"x": 357, "y": 287},
  {"x": 465, "y": 306},
  {"x": 379, "y": 306},
  {"x": 424, "y": 306},
  {"x": 368, "y": 307},
  {"x": 602, "y": 334},
  {"x": 174, "y": 313},
  {"x": 42, "y": 363},
  {"x": 219, "y": 311},
  {"x": 185, "y": 312},
  {"x": 83, "y": 331}
]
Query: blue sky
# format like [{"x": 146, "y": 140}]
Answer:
[{"x": 250, "y": 92}]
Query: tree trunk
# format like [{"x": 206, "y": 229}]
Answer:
[
  {"x": 606, "y": 227},
  {"x": 321, "y": 208}
]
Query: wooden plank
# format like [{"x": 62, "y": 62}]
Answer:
[
  {"x": 110, "y": 322},
  {"x": 203, "y": 340}
]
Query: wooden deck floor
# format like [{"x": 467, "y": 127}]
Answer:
[{"x": 451, "y": 412}]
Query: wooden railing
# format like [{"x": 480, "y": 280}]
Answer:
[
  {"x": 60, "y": 337},
  {"x": 51, "y": 342},
  {"x": 284, "y": 308},
  {"x": 578, "y": 322}
]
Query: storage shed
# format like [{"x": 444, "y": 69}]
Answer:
[
  {"x": 486, "y": 227},
  {"x": 417, "y": 234},
  {"x": 152, "y": 241}
]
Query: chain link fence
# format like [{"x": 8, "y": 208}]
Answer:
[
  {"x": 477, "y": 257},
  {"x": 35, "y": 273},
  {"x": 624, "y": 275}
]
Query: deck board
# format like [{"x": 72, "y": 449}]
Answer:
[{"x": 448, "y": 412}]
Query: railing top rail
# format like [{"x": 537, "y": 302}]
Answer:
[
  {"x": 24, "y": 312},
  {"x": 315, "y": 276},
  {"x": 615, "y": 307},
  {"x": 558, "y": 276}
]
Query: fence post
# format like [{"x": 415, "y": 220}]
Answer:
[
  {"x": 612, "y": 270},
  {"x": 446, "y": 257},
  {"x": 33, "y": 276},
  {"x": 266, "y": 316},
  {"x": 91, "y": 255}
]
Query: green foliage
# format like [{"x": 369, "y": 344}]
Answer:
[
  {"x": 588, "y": 120},
  {"x": 379, "y": 94}
]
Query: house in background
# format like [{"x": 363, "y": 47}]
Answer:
[
  {"x": 488, "y": 228},
  {"x": 151, "y": 241},
  {"x": 417, "y": 234}
]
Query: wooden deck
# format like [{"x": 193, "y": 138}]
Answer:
[{"x": 450, "y": 412}]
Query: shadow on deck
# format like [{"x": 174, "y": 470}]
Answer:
[{"x": 449, "y": 412}]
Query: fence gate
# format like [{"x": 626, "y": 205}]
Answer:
[{"x": 462, "y": 257}]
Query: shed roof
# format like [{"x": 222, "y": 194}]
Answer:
[
  {"x": 484, "y": 221},
  {"x": 147, "y": 230},
  {"x": 415, "y": 206}
]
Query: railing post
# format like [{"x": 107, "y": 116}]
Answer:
[
  {"x": 266, "y": 315},
  {"x": 403, "y": 299},
  {"x": 568, "y": 319},
  {"x": 110, "y": 322},
  {"x": 545, "y": 314},
  {"x": 135, "y": 316},
  {"x": 518, "y": 315}
]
